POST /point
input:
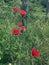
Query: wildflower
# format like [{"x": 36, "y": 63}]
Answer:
[
  {"x": 20, "y": 24},
  {"x": 10, "y": 64},
  {"x": 15, "y": 31},
  {"x": 22, "y": 29},
  {"x": 35, "y": 53},
  {"x": 15, "y": 9},
  {"x": 23, "y": 13}
]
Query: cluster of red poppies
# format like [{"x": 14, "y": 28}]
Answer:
[
  {"x": 22, "y": 12},
  {"x": 16, "y": 31}
]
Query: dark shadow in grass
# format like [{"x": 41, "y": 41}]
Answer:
[
  {"x": 7, "y": 1},
  {"x": 6, "y": 58}
]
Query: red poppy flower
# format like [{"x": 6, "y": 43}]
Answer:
[
  {"x": 23, "y": 13},
  {"x": 35, "y": 53},
  {"x": 20, "y": 24},
  {"x": 15, "y": 9},
  {"x": 22, "y": 29},
  {"x": 15, "y": 31}
]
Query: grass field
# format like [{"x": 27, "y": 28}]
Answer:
[{"x": 17, "y": 49}]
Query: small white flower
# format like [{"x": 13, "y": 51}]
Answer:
[
  {"x": 10, "y": 64},
  {"x": 20, "y": 3},
  {"x": 0, "y": 58}
]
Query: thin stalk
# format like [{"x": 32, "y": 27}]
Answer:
[
  {"x": 24, "y": 6},
  {"x": 47, "y": 11}
]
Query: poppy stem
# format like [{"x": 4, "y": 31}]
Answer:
[{"x": 24, "y": 6}]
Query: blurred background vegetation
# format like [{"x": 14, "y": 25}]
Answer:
[{"x": 17, "y": 49}]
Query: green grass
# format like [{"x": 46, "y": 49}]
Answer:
[{"x": 18, "y": 48}]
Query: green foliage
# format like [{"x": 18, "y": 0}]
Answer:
[{"x": 17, "y": 49}]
